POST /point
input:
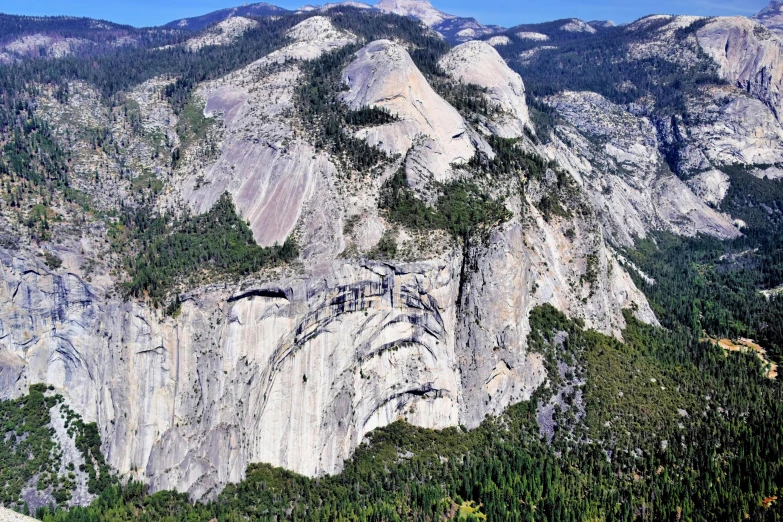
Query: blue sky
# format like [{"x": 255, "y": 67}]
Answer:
[{"x": 501, "y": 12}]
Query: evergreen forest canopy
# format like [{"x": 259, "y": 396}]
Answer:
[{"x": 662, "y": 426}]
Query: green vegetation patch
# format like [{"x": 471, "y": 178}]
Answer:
[
  {"x": 461, "y": 208},
  {"x": 26, "y": 447},
  {"x": 192, "y": 126},
  {"x": 193, "y": 248},
  {"x": 29, "y": 456},
  {"x": 327, "y": 117},
  {"x": 704, "y": 284}
]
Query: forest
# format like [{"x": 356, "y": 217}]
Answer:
[{"x": 187, "y": 249}]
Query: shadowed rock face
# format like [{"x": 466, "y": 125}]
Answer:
[
  {"x": 383, "y": 75},
  {"x": 480, "y": 64}
]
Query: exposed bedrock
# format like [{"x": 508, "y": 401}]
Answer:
[
  {"x": 478, "y": 63},
  {"x": 429, "y": 130}
]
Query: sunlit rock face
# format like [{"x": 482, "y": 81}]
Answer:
[
  {"x": 432, "y": 134},
  {"x": 478, "y": 63}
]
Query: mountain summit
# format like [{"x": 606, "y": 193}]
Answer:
[
  {"x": 771, "y": 16},
  {"x": 198, "y": 23},
  {"x": 453, "y": 28},
  {"x": 420, "y": 9}
]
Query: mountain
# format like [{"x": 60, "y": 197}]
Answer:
[
  {"x": 326, "y": 265},
  {"x": 453, "y": 28},
  {"x": 197, "y": 23},
  {"x": 25, "y": 37},
  {"x": 771, "y": 16}
]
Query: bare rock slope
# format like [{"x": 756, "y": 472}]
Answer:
[
  {"x": 478, "y": 63},
  {"x": 432, "y": 134}
]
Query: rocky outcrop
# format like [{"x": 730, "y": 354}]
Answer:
[
  {"x": 420, "y": 9},
  {"x": 271, "y": 173},
  {"x": 51, "y": 46},
  {"x": 617, "y": 156},
  {"x": 453, "y": 28},
  {"x": 727, "y": 124},
  {"x": 748, "y": 55},
  {"x": 6, "y": 515},
  {"x": 577, "y": 26},
  {"x": 726, "y": 127},
  {"x": 223, "y": 33},
  {"x": 254, "y": 374},
  {"x": 536, "y": 37},
  {"x": 496, "y": 41},
  {"x": 523, "y": 267},
  {"x": 480, "y": 64},
  {"x": 294, "y": 372},
  {"x": 768, "y": 173},
  {"x": 428, "y": 131},
  {"x": 711, "y": 186},
  {"x": 771, "y": 16}
]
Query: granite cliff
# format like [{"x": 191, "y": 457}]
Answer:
[{"x": 294, "y": 365}]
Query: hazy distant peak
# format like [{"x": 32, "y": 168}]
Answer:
[
  {"x": 421, "y": 9},
  {"x": 771, "y": 16}
]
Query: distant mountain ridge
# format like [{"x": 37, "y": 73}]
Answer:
[
  {"x": 453, "y": 28},
  {"x": 197, "y": 23},
  {"x": 771, "y": 16},
  {"x": 24, "y": 37}
]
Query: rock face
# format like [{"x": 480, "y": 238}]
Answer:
[
  {"x": 549, "y": 267},
  {"x": 293, "y": 366},
  {"x": 771, "y": 16},
  {"x": 728, "y": 123},
  {"x": 499, "y": 40},
  {"x": 642, "y": 194},
  {"x": 295, "y": 372},
  {"x": 577, "y": 26},
  {"x": 53, "y": 47},
  {"x": 223, "y": 33},
  {"x": 257, "y": 375},
  {"x": 453, "y": 28},
  {"x": 729, "y": 127},
  {"x": 711, "y": 186},
  {"x": 536, "y": 37},
  {"x": 429, "y": 131},
  {"x": 421, "y": 9},
  {"x": 6, "y": 515},
  {"x": 198, "y": 23},
  {"x": 480, "y": 64},
  {"x": 748, "y": 55},
  {"x": 270, "y": 174}
]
